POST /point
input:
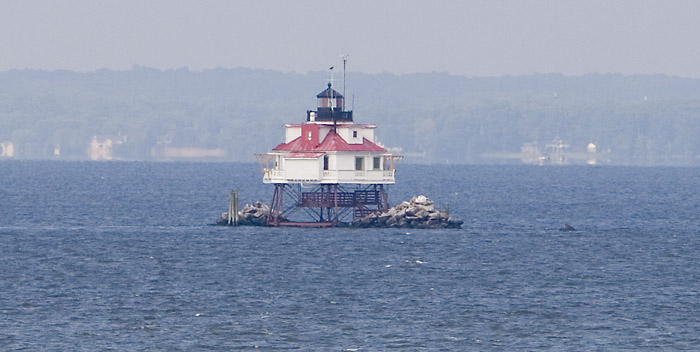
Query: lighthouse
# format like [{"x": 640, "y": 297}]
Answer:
[{"x": 329, "y": 169}]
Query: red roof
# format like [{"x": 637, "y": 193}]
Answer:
[
  {"x": 294, "y": 145},
  {"x": 332, "y": 143},
  {"x": 339, "y": 125}
]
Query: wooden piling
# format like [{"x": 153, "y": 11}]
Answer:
[{"x": 233, "y": 209}]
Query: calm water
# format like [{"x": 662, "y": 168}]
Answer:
[{"x": 121, "y": 256}]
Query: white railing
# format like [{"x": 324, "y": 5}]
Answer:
[{"x": 335, "y": 176}]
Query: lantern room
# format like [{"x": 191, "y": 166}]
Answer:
[
  {"x": 331, "y": 99},
  {"x": 331, "y": 107}
]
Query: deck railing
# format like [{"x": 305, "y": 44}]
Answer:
[{"x": 334, "y": 176}]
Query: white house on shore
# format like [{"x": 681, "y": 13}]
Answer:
[
  {"x": 101, "y": 147},
  {"x": 7, "y": 149}
]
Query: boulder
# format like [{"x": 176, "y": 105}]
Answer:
[
  {"x": 454, "y": 223},
  {"x": 403, "y": 206},
  {"x": 422, "y": 213},
  {"x": 423, "y": 202}
]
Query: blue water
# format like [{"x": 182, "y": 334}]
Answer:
[{"x": 122, "y": 256}]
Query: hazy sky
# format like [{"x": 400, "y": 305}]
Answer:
[{"x": 471, "y": 38}]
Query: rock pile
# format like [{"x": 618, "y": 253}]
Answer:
[
  {"x": 252, "y": 215},
  {"x": 419, "y": 213}
]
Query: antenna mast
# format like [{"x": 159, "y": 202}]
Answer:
[
  {"x": 330, "y": 90},
  {"x": 331, "y": 97},
  {"x": 345, "y": 61}
]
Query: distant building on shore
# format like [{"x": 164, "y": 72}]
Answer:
[
  {"x": 530, "y": 153},
  {"x": 7, "y": 149},
  {"x": 554, "y": 153},
  {"x": 591, "y": 154},
  {"x": 102, "y": 148}
]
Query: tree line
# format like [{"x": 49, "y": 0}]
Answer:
[{"x": 431, "y": 117}]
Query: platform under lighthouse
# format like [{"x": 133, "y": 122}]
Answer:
[{"x": 329, "y": 168}]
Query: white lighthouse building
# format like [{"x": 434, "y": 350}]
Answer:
[{"x": 343, "y": 163}]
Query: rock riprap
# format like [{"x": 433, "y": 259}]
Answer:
[{"x": 419, "y": 213}]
